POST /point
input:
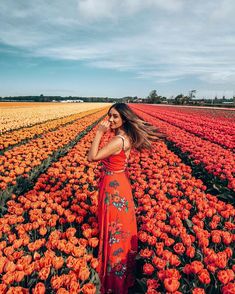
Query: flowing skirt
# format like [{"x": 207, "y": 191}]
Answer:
[{"x": 118, "y": 234}]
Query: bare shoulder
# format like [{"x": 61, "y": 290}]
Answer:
[
  {"x": 127, "y": 141},
  {"x": 117, "y": 141}
]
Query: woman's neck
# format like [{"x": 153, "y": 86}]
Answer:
[{"x": 119, "y": 131}]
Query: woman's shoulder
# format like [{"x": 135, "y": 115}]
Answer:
[
  {"x": 121, "y": 136},
  {"x": 124, "y": 136},
  {"x": 116, "y": 141},
  {"x": 126, "y": 139}
]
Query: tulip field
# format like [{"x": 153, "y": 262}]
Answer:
[{"x": 183, "y": 190}]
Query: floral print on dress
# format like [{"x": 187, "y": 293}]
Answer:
[
  {"x": 116, "y": 233},
  {"x": 118, "y": 251},
  {"x": 119, "y": 269},
  {"x": 119, "y": 202},
  {"x": 114, "y": 184}
]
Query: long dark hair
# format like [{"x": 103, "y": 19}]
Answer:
[{"x": 140, "y": 132}]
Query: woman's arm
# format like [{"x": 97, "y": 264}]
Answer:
[
  {"x": 94, "y": 146},
  {"x": 112, "y": 147}
]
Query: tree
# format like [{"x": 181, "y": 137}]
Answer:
[
  {"x": 181, "y": 99},
  {"x": 153, "y": 97},
  {"x": 178, "y": 99}
]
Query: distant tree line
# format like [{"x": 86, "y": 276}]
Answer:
[
  {"x": 43, "y": 98},
  {"x": 189, "y": 99},
  {"x": 152, "y": 98}
]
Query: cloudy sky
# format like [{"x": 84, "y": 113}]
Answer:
[{"x": 117, "y": 48}]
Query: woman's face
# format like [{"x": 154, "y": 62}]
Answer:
[{"x": 115, "y": 119}]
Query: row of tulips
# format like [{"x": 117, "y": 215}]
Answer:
[
  {"x": 49, "y": 235},
  {"x": 216, "y": 160},
  {"x": 211, "y": 115},
  {"x": 21, "y": 160},
  {"x": 216, "y": 114},
  {"x": 12, "y": 138},
  {"x": 186, "y": 237},
  {"x": 16, "y": 115},
  {"x": 221, "y": 132}
]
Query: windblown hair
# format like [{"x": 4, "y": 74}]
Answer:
[{"x": 140, "y": 132}]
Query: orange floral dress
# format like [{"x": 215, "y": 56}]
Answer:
[{"x": 117, "y": 227}]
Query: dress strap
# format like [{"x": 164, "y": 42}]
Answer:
[{"x": 123, "y": 139}]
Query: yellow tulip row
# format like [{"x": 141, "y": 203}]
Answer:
[
  {"x": 16, "y": 136},
  {"x": 15, "y": 116}
]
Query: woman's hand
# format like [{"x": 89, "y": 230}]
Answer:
[{"x": 103, "y": 127}]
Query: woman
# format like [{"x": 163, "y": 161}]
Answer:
[{"x": 116, "y": 210}]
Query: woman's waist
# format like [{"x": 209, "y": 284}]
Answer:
[
  {"x": 109, "y": 170},
  {"x": 115, "y": 167}
]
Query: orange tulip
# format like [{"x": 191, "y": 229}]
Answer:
[
  {"x": 198, "y": 291},
  {"x": 148, "y": 269},
  {"x": 44, "y": 273},
  {"x": 39, "y": 288},
  {"x": 83, "y": 273},
  {"x": 171, "y": 284},
  {"x": 93, "y": 242},
  {"x": 225, "y": 276},
  {"x": 89, "y": 288}
]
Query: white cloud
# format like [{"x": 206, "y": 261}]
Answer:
[
  {"x": 224, "y": 10},
  {"x": 71, "y": 52},
  {"x": 113, "y": 9}
]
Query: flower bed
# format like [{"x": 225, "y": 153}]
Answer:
[
  {"x": 220, "y": 131},
  {"x": 48, "y": 236},
  {"x": 186, "y": 236},
  {"x": 22, "y": 135},
  {"x": 15, "y": 115},
  {"x": 215, "y": 159},
  {"x": 20, "y": 160}
]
